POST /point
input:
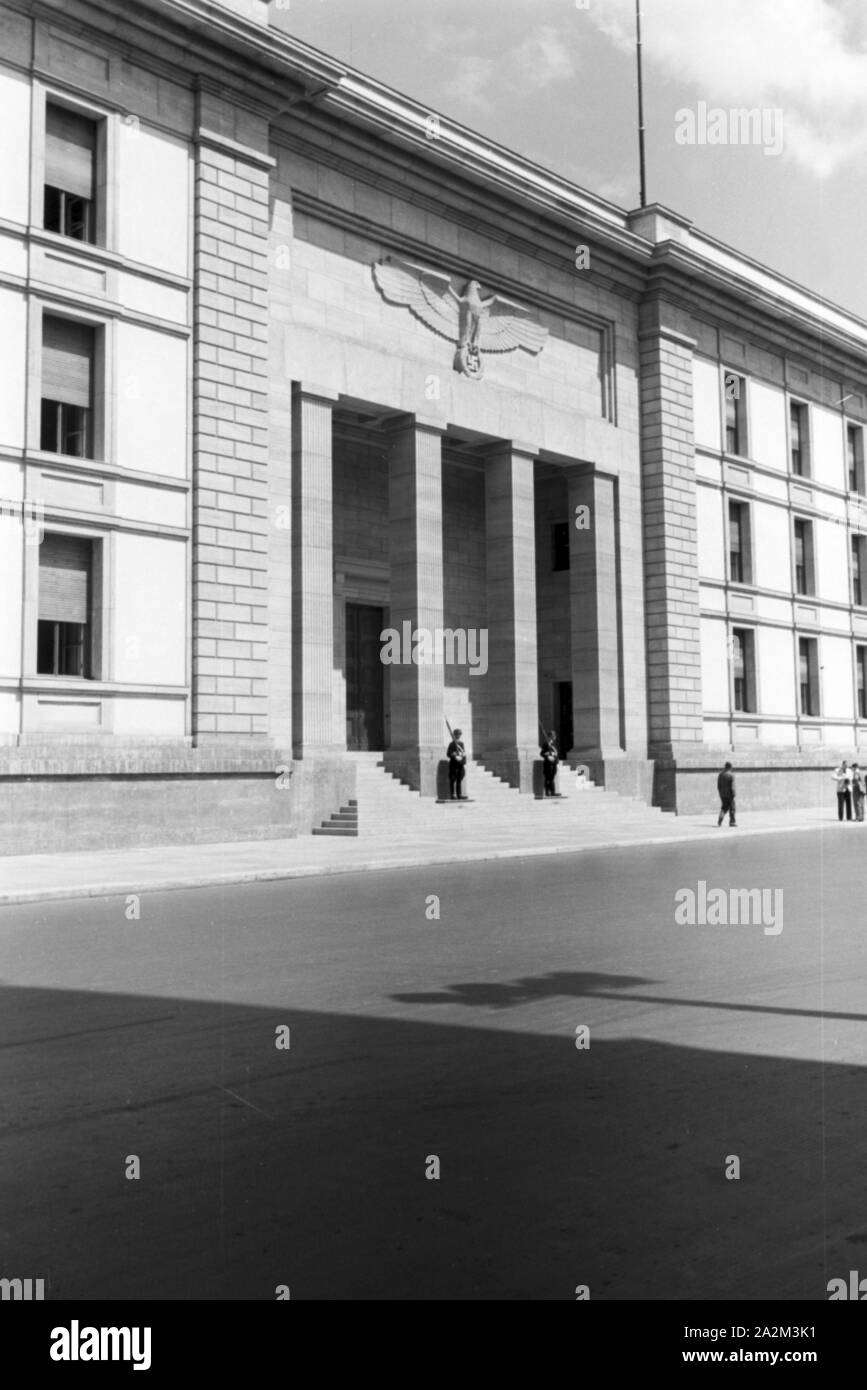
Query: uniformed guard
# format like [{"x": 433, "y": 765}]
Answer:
[
  {"x": 550, "y": 761},
  {"x": 457, "y": 756}
]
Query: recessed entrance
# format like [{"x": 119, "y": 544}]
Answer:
[
  {"x": 365, "y": 678},
  {"x": 563, "y": 711}
]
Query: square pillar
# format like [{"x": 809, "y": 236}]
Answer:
[
  {"x": 415, "y": 532},
  {"x": 674, "y": 698},
  {"x": 512, "y": 723},
  {"x": 594, "y": 582},
  {"x": 312, "y": 573},
  {"x": 230, "y": 618}
]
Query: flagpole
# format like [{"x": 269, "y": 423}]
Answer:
[{"x": 643, "y": 196}]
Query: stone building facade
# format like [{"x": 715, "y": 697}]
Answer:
[{"x": 252, "y": 416}]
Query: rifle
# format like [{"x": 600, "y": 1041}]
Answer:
[
  {"x": 451, "y": 735},
  {"x": 546, "y": 739}
]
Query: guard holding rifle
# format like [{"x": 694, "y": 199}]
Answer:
[
  {"x": 457, "y": 756},
  {"x": 550, "y": 761}
]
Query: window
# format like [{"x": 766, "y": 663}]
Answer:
[
  {"x": 65, "y": 607},
  {"x": 70, "y": 174},
  {"x": 560, "y": 545},
  {"x": 855, "y": 457},
  {"x": 68, "y": 351},
  {"x": 744, "y": 670},
  {"x": 808, "y": 675},
  {"x": 859, "y": 572},
  {"x": 799, "y": 438},
  {"x": 805, "y": 582},
  {"x": 735, "y": 400},
  {"x": 740, "y": 557},
  {"x": 861, "y": 677}
]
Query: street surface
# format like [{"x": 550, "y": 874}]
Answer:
[{"x": 411, "y": 1038}]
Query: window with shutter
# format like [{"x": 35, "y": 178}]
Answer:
[
  {"x": 65, "y": 606},
  {"x": 70, "y": 173},
  {"x": 68, "y": 351}
]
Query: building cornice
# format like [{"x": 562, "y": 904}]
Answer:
[{"x": 272, "y": 68}]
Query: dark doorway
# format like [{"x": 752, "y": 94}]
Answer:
[
  {"x": 563, "y": 713},
  {"x": 365, "y": 703}
]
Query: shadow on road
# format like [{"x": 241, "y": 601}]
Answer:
[
  {"x": 581, "y": 984},
  {"x": 306, "y": 1167}
]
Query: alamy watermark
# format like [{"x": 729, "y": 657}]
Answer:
[
  {"x": 756, "y": 125},
  {"x": 439, "y": 646},
  {"x": 730, "y": 907},
  {"x": 77, "y": 1343},
  {"x": 22, "y": 1290}
]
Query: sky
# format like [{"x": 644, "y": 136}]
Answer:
[{"x": 554, "y": 80}]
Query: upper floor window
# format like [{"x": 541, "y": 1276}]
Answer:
[
  {"x": 861, "y": 676},
  {"x": 808, "y": 675},
  {"x": 855, "y": 457},
  {"x": 805, "y": 581},
  {"x": 740, "y": 550},
  {"x": 68, "y": 352},
  {"x": 799, "y": 438},
  {"x": 859, "y": 570},
  {"x": 743, "y": 670},
  {"x": 735, "y": 413},
  {"x": 70, "y": 174}
]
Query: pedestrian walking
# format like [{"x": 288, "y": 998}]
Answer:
[
  {"x": 843, "y": 777},
  {"x": 550, "y": 762},
  {"x": 857, "y": 792},
  {"x": 457, "y": 756},
  {"x": 725, "y": 785}
]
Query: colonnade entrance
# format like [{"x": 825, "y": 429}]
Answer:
[{"x": 434, "y": 536}]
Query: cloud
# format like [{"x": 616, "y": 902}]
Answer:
[
  {"x": 806, "y": 57},
  {"x": 471, "y": 81},
  {"x": 482, "y": 83}
]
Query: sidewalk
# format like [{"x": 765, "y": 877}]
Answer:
[{"x": 44, "y": 877}]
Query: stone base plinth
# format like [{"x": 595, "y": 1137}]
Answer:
[
  {"x": 58, "y": 800},
  {"x": 766, "y": 779},
  {"x": 625, "y": 775}
]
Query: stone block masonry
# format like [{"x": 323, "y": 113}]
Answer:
[
  {"x": 230, "y": 481},
  {"x": 670, "y": 537}
]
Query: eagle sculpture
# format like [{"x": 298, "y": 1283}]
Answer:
[{"x": 474, "y": 324}]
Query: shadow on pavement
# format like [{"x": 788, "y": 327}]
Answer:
[{"x": 306, "y": 1167}]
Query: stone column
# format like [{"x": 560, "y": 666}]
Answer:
[
  {"x": 312, "y": 573},
  {"x": 670, "y": 535},
  {"x": 512, "y": 723},
  {"x": 418, "y": 733},
  {"x": 594, "y": 580}
]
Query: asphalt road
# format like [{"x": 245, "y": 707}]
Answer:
[{"x": 412, "y": 1037}]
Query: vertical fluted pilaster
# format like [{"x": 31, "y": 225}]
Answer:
[
  {"x": 512, "y": 703},
  {"x": 416, "y": 579},
  {"x": 312, "y": 572},
  {"x": 597, "y": 684}
]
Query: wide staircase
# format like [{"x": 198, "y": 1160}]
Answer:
[{"x": 392, "y": 813}]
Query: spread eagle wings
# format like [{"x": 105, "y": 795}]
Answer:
[
  {"x": 428, "y": 295},
  {"x": 507, "y": 325}
]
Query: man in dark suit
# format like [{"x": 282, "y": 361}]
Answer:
[
  {"x": 725, "y": 785},
  {"x": 457, "y": 756}
]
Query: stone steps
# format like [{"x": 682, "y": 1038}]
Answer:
[
  {"x": 390, "y": 810},
  {"x": 342, "y": 822}
]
